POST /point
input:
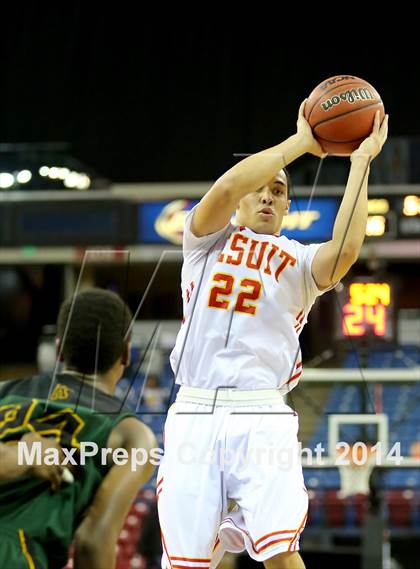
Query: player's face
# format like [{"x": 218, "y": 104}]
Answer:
[{"x": 263, "y": 210}]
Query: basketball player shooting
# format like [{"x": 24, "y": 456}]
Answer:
[{"x": 247, "y": 293}]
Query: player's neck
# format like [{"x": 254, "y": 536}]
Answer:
[
  {"x": 276, "y": 233},
  {"x": 102, "y": 382}
]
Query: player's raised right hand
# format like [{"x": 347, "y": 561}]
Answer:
[{"x": 306, "y": 136}]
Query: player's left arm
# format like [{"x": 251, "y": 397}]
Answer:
[
  {"x": 97, "y": 535},
  {"x": 11, "y": 467},
  {"x": 333, "y": 260}
]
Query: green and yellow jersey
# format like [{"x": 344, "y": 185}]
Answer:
[{"x": 72, "y": 411}]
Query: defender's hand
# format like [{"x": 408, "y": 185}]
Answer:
[{"x": 52, "y": 473}]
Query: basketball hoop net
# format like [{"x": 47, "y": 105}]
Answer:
[{"x": 354, "y": 476}]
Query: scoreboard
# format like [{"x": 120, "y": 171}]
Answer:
[{"x": 366, "y": 309}]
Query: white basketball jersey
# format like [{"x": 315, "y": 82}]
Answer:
[{"x": 246, "y": 298}]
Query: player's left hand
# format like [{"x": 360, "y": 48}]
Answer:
[
  {"x": 52, "y": 473},
  {"x": 372, "y": 145},
  {"x": 306, "y": 135}
]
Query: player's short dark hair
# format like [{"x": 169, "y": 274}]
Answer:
[
  {"x": 93, "y": 325},
  {"x": 289, "y": 183}
]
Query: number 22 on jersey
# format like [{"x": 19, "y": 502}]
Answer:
[{"x": 221, "y": 294}]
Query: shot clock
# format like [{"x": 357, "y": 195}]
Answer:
[{"x": 366, "y": 309}]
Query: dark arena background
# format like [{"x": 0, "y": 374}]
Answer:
[{"x": 113, "y": 126}]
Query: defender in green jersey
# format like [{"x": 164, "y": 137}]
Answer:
[{"x": 75, "y": 407}]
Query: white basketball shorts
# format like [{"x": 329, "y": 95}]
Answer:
[{"x": 225, "y": 448}]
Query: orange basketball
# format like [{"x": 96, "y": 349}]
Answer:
[{"x": 341, "y": 111}]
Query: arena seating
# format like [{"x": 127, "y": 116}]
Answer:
[{"x": 399, "y": 487}]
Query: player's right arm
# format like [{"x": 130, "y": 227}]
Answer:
[
  {"x": 97, "y": 535},
  {"x": 217, "y": 206}
]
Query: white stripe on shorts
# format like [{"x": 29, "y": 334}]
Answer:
[{"x": 228, "y": 396}]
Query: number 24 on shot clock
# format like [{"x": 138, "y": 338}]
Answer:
[{"x": 367, "y": 310}]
